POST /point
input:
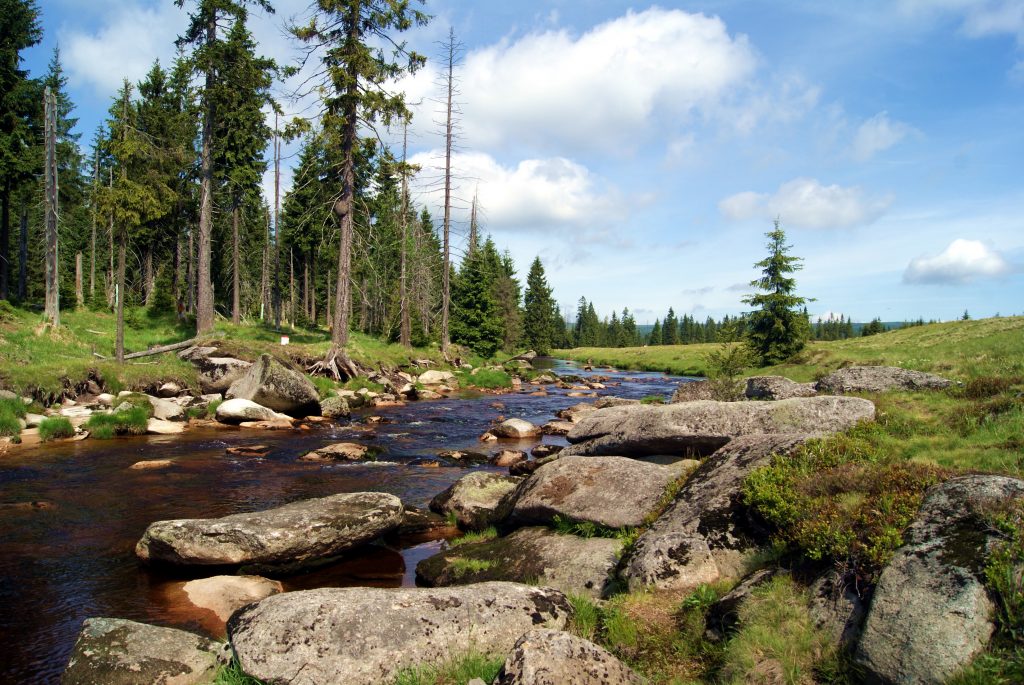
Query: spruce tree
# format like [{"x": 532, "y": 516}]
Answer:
[
  {"x": 655, "y": 336},
  {"x": 475, "y": 320},
  {"x": 540, "y": 315},
  {"x": 670, "y": 329},
  {"x": 777, "y": 329}
]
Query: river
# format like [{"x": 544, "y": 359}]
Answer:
[{"x": 73, "y": 558}]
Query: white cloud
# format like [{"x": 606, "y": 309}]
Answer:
[
  {"x": 535, "y": 194},
  {"x": 805, "y": 203},
  {"x": 877, "y": 134},
  {"x": 962, "y": 262},
  {"x": 980, "y": 17},
  {"x": 600, "y": 89}
]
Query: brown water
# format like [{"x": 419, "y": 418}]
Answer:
[{"x": 73, "y": 558}]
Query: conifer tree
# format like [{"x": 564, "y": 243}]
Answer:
[
  {"x": 670, "y": 329},
  {"x": 540, "y": 316},
  {"x": 656, "y": 335},
  {"x": 475, "y": 319},
  {"x": 777, "y": 329}
]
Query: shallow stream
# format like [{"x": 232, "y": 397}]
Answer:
[{"x": 72, "y": 557}]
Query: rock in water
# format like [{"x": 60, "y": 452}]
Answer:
[
  {"x": 537, "y": 555},
  {"x": 366, "y": 636},
  {"x": 515, "y": 429},
  {"x": 299, "y": 534},
  {"x": 705, "y": 426},
  {"x": 880, "y": 379},
  {"x": 224, "y": 595},
  {"x": 931, "y": 614},
  {"x": 705, "y": 535},
  {"x": 114, "y": 651},
  {"x": 241, "y": 411},
  {"x": 335, "y": 408},
  {"x": 776, "y": 388},
  {"x": 270, "y": 383},
  {"x": 609, "y": 491},
  {"x": 339, "y": 451},
  {"x": 474, "y": 498},
  {"x": 553, "y": 657}
]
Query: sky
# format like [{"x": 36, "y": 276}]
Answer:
[{"x": 642, "y": 151}]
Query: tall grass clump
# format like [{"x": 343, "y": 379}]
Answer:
[
  {"x": 129, "y": 421},
  {"x": 55, "y": 428},
  {"x": 490, "y": 379},
  {"x": 456, "y": 671},
  {"x": 11, "y": 409}
]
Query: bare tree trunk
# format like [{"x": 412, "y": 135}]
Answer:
[
  {"x": 191, "y": 273},
  {"x": 52, "y": 280},
  {"x": 364, "y": 305},
  {"x": 148, "y": 277},
  {"x": 79, "y": 294},
  {"x": 264, "y": 273},
  {"x": 177, "y": 279},
  {"x": 236, "y": 300},
  {"x": 119, "y": 296},
  {"x": 312, "y": 297},
  {"x": 112, "y": 280},
  {"x": 329, "y": 319},
  {"x": 204, "y": 304},
  {"x": 5, "y": 240},
  {"x": 291, "y": 287},
  {"x": 446, "y": 286},
  {"x": 277, "y": 226},
  {"x": 405, "y": 322},
  {"x": 305, "y": 286},
  {"x": 92, "y": 249},
  {"x": 23, "y": 257}
]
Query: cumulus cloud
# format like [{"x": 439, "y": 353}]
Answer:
[
  {"x": 600, "y": 88},
  {"x": 534, "y": 194},
  {"x": 877, "y": 134},
  {"x": 962, "y": 262},
  {"x": 806, "y": 203}
]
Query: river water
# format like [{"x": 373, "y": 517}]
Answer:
[{"x": 72, "y": 558}]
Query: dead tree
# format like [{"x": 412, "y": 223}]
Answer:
[{"x": 52, "y": 311}]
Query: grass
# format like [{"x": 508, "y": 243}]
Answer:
[
  {"x": 131, "y": 421},
  {"x": 564, "y": 525},
  {"x": 461, "y": 566},
  {"x": 11, "y": 410},
  {"x": 652, "y": 399},
  {"x": 55, "y": 428},
  {"x": 232, "y": 674},
  {"x": 456, "y": 671},
  {"x": 491, "y": 379},
  {"x": 489, "y": 533}
]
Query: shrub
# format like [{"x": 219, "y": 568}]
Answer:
[{"x": 54, "y": 428}]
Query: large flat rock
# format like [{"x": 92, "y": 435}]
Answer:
[
  {"x": 705, "y": 533},
  {"x": 536, "y": 555},
  {"x": 704, "y": 426},
  {"x": 880, "y": 379},
  {"x": 366, "y": 636},
  {"x": 289, "y": 537},
  {"x": 114, "y": 651},
  {"x": 609, "y": 491},
  {"x": 931, "y": 614}
]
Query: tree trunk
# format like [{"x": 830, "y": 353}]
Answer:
[
  {"x": 5, "y": 240},
  {"x": 52, "y": 312},
  {"x": 329, "y": 319},
  {"x": 112, "y": 280},
  {"x": 176, "y": 279},
  {"x": 236, "y": 303},
  {"x": 305, "y": 286},
  {"x": 23, "y": 257},
  {"x": 204, "y": 299},
  {"x": 277, "y": 226},
  {"x": 446, "y": 286},
  {"x": 291, "y": 287},
  {"x": 79, "y": 294},
  {"x": 92, "y": 248},
  {"x": 312, "y": 296},
  {"x": 405, "y": 322},
  {"x": 119, "y": 297},
  {"x": 191, "y": 273},
  {"x": 264, "y": 273},
  {"x": 148, "y": 276}
]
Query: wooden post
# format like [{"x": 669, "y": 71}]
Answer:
[
  {"x": 79, "y": 295},
  {"x": 52, "y": 311}
]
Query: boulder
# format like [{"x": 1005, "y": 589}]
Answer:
[
  {"x": 545, "y": 450},
  {"x": 169, "y": 389},
  {"x": 224, "y": 595},
  {"x": 576, "y": 412},
  {"x": 507, "y": 458},
  {"x": 931, "y": 613},
  {"x": 474, "y": 498},
  {"x": 703, "y": 426},
  {"x": 837, "y": 609},
  {"x": 239, "y": 410},
  {"x": 105, "y": 399},
  {"x": 556, "y": 428},
  {"x": 605, "y": 402},
  {"x": 553, "y": 657},
  {"x": 463, "y": 456},
  {"x": 335, "y": 408},
  {"x": 282, "y": 422},
  {"x": 879, "y": 379},
  {"x": 161, "y": 427},
  {"x": 290, "y": 537},
  {"x": 609, "y": 491},
  {"x": 366, "y": 636},
  {"x": 435, "y": 378},
  {"x": 217, "y": 374},
  {"x": 705, "y": 533},
  {"x": 515, "y": 429},
  {"x": 339, "y": 451},
  {"x": 248, "y": 450},
  {"x": 33, "y": 420},
  {"x": 534, "y": 555},
  {"x": 152, "y": 464},
  {"x": 272, "y": 384},
  {"x": 691, "y": 391},
  {"x": 776, "y": 388},
  {"x": 417, "y": 521},
  {"x": 116, "y": 651}
]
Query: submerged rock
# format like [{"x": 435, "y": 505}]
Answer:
[
  {"x": 270, "y": 383},
  {"x": 290, "y": 537},
  {"x": 931, "y": 613},
  {"x": 608, "y": 491},
  {"x": 474, "y": 498},
  {"x": 366, "y": 636},
  {"x": 339, "y": 451},
  {"x": 224, "y": 595},
  {"x": 705, "y": 533},
  {"x": 534, "y": 555},
  {"x": 704, "y": 426},
  {"x": 553, "y": 657},
  {"x": 880, "y": 379},
  {"x": 115, "y": 651}
]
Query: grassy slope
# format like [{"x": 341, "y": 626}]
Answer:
[
  {"x": 36, "y": 360},
  {"x": 961, "y": 349}
]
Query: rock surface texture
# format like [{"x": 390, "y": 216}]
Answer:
[
  {"x": 930, "y": 614},
  {"x": 240, "y": 410},
  {"x": 566, "y": 562},
  {"x": 704, "y": 426},
  {"x": 776, "y": 388},
  {"x": 224, "y": 595},
  {"x": 705, "y": 535},
  {"x": 269, "y": 383},
  {"x": 609, "y": 491},
  {"x": 474, "y": 498},
  {"x": 216, "y": 374},
  {"x": 515, "y": 429},
  {"x": 295, "y": 535},
  {"x": 365, "y": 636},
  {"x": 880, "y": 379},
  {"x": 553, "y": 657},
  {"x": 115, "y": 651}
]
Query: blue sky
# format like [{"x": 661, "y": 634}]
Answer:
[{"x": 643, "y": 150}]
